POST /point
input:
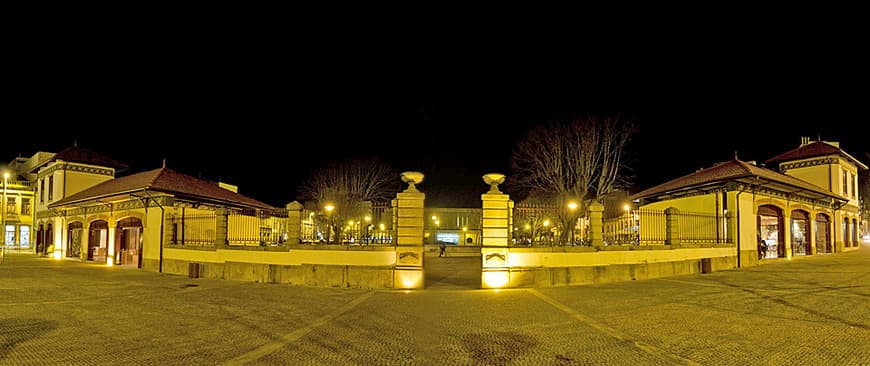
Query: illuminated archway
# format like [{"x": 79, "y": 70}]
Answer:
[
  {"x": 823, "y": 233},
  {"x": 771, "y": 229},
  {"x": 800, "y": 233},
  {"x": 98, "y": 240},
  {"x": 74, "y": 239},
  {"x": 128, "y": 242}
]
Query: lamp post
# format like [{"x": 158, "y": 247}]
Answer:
[
  {"x": 629, "y": 221},
  {"x": 573, "y": 207},
  {"x": 3, "y": 228},
  {"x": 368, "y": 226},
  {"x": 547, "y": 231},
  {"x": 435, "y": 230},
  {"x": 328, "y": 208}
]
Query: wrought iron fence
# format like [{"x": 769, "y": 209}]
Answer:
[
  {"x": 703, "y": 228},
  {"x": 650, "y": 227},
  {"x": 253, "y": 227},
  {"x": 373, "y": 227},
  {"x": 194, "y": 230},
  {"x": 636, "y": 227},
  {"x": 535, "y": 223}
]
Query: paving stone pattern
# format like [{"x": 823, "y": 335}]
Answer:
[{"x": 807, "y": 311}]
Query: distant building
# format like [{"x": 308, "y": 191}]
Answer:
[{"x": 17, "y": 207}]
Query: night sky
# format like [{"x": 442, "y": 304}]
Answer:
[{"x": 453, "y": 117}]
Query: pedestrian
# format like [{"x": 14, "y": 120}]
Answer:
[
  {"x": 762, "y": 248},
  {"x": 443, "y": 252}
]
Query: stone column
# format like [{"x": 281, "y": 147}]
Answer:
[
  {"x": 408, "y": 224},
  {"x": 59, "y": 229},
  {"x": 673, "y": 226},
  {"x": 220, "y": 232},
  {"x": 786, "y": 232},
  {"x": 110, "y": 251},
  {"x": 596, "y": 224},
  {"x": 811, "y": 234},
  {"x": 294, "y": 222},
  {"x": 495, "y": 234}
]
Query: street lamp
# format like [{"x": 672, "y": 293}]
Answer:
[
  {"x": 368, "y": 220},
  {"x": 3, "y": 228},
  {"x": 435, "y": 231},
  {"x": 546, "y": 231},
  {"x": 328, "y": 208},
  {"x": 573, "y": 207}
]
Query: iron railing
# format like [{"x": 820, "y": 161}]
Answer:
[
  {"x": 196, "y": 230},
  {"x": 254, "y": 227},
  {"x": 650, "y": 227}
]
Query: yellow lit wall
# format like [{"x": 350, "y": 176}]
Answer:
[
  {"x": 386, "y": 257},
  {"x": 526, "y": 257},
  {"x": 77, "y": 181},
  {"x": 702, "y": 203}
]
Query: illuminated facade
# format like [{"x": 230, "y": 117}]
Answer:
[
  {"x": 17, "y": 207},
  {"x": 130, "y": 220},
  {"x": 452, "y": 226},
  {"x": 810, "y": 205}
]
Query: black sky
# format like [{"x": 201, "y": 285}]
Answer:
[{"x": 264, "y": 119}]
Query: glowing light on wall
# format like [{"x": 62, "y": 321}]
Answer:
[
  {"x": 495, "y": 279},
  {"x": 57, "y": 254},
  {"x": 409, "y": 279},
  {"x": 110, "y": 261}
]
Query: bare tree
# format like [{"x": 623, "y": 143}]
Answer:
[
  {"x": 350, "y": 186},
  {"x": 577, "y": 160}
]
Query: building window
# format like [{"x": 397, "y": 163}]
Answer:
[
  {"x": 10, "y": 206},
  {"x": 845, "y": 184},
  {"x": 25, "y": 206},
  {"x": 41, "y": 190},
  {"x": 855, "y": 186},
  {"x": 50, "y": 188}
]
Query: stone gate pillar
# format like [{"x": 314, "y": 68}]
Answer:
[
  {"x": 408, "y": 224},
  {"x": 596, "y": 224},
  {"x": 495, "y": 234},
  {"x": 294, "y": 222}
]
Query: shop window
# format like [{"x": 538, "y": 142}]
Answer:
[
  {"x": 10, "y": 235},
  {"x": 24, "y": 236}
]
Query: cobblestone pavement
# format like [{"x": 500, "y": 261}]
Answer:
[{"x": 807, "y": 311}]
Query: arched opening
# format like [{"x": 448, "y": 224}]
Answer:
[
  {"x": 128, "y": 242},
  {"x": 74, "y": 239},
  {"x": 98, "y": 241},
  {"x": 823, "y": 233},
  {"x": 49, "y": 239},
  {"x": 800, "y": 231},
  {"x": 770, "y": 230},
  {"x": 40, "y": 239},
  {"x": 846, "y": 233}
]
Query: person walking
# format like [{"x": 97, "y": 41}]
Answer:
[{"x": 443, "y": 252}]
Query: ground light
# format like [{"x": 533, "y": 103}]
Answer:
[{"x": 495, "y": 279}]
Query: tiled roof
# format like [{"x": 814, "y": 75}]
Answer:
[
  {"x": 812, "y": 150},
  {"x": 728, "y": 171},
  {"x": 77, "y": 154},
  {"x": 168, "y": 181}
]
